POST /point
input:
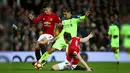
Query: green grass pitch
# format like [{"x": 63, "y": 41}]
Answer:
[{"x": 99, "y": 67}]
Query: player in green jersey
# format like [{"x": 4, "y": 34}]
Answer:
[
  {"x": 114, "y": 33},
  {"x": 126, "y": 36},
  {"x": 70, "y": 24}
]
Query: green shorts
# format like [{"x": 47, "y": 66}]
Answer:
[
  {"x": 60, "y": 44},
  {"x": 115, "y": 42}
]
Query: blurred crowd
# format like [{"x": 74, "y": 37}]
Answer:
[{"x": 26, "y": 35}]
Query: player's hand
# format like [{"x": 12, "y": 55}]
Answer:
[
  {"x": 88, "y": 69},
  {"x": 91, "y": 35},
  {"x": 31, "y": 17},
  {"x": 88, "y": 13}
]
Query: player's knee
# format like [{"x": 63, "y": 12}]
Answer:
[
  {"x": 54, "y": 68},
  {"x": 115, "y": 50}
]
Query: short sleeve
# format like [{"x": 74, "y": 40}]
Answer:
[
  {"x": 36, "y": 20},
  {"x": 58, "y": 20}
]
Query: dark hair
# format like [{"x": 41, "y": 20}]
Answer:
[
  {"x": 65, "y": 9},
  {"x": 46, "y": 4},
  {"x": 67, "y": 36}
]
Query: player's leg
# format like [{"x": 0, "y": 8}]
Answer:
[
  {"x": 79, "y": 68},
  {"x": 58, "y": 45},
  {"x": 55, "y": 67},
  {"x": 45, "y": 40},
  {"x": 116, "y": 53},
  {"x": 61, "y": 66},
  {"x": 43, "y": 48},
  {"x": 37, "y": 51},
  {"x": 43, "y": 44},
  {"x": 115, "y": 47},
  {"x": 42, "y": 41}
]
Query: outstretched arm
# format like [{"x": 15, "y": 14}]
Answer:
[
  {"x": 83, "y": 62},
  {"x": 85, "y": 16},
  {"x": 35, "y": 20},
  {"x": 85, "y": 39}
]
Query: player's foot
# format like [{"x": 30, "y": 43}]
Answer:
[
  {"x": 118, "y": 62},
  {"x": 33, "y": 63},
  {"x": 44, "y": 62}
]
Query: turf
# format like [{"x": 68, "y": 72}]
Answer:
[{"x": 99, "y": 67}]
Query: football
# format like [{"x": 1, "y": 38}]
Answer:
[{"x": 38, "y": 66}]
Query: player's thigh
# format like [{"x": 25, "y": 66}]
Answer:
[
  {"x": 59, "y": 44},
  {"x": 64, "y": 65},
  {"x": 55, "y": 67},
  {"x": 45, "y": 37}
]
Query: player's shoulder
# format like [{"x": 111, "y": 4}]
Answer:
[
  {"x": 54, "y": 14},
  {"x": 75, "y": 38},
  {"x": 42, "y": 14},
  {"x": 74, "y": 16}
]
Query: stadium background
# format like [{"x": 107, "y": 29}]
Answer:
[
  {"x": 21, "y": 42},
  {"x": 16, "y": 11}
]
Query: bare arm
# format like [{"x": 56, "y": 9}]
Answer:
[
  {"x": 85, "y": 39},
  {"x": 35, "y": 20},
  {"x": 83, "y": 62}
]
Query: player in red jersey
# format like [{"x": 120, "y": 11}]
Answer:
[
  {"x": 49, "y": 20},
  {"x": 73, "y": 55}
]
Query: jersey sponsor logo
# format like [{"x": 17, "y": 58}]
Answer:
[{"x": 47, "y": 23}]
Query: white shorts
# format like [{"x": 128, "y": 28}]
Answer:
[
  {"x": 48, "y": 36},
  {"x": 66, "y": 65}
]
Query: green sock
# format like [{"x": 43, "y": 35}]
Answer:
[
  {"x": 117, "y": 54},
  {"x": 44, "y": 56}
]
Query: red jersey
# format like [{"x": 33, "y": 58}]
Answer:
[
  {"x": 48, "y": 22},
  {"x": 73, "y": 50}
]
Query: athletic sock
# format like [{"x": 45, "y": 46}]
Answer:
[
  {"x": 43, "y": 49},
  {"x": 37, "y": 53},
  {"x": 44, "y": 56},
  {"x": 117, "y": 54}
]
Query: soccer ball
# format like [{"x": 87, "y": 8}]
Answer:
[{"x": 38, "y": 66}]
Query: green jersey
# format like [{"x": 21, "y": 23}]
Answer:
[
  {"x": 70, "y": 25},
  {"x": 114, "y": 32}
]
